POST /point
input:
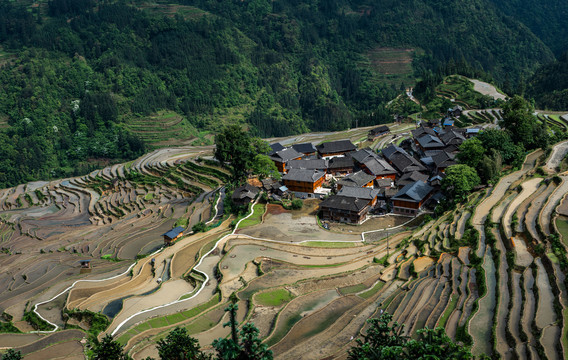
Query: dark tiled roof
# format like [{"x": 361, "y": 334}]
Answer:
[
  {"x": 336, "y": 147},
  {"x": 359, "y": 193},
  {"x": 310, "y": 176},
  {"x": 421, "y": 131},
  {"x": 379, "y": 167},
  {"x": 379, "y": 130},
  {"x": 286, "y": 155},
  {"x": 430, "y": 141},
  {"x": 406, "y": 163},
  {"x": 344, "y": 203},
  {"x": 443, "y": 159},
  {"x": 415, "y": 192},
  {"x": 452, "y": 137},
  {"x": 363, "y": 155},
  {"x": 174, "y": 232},
  {"x": 358, "y": 179},
  {"x": 312, "y": 164},
  {"x": 391, "y": 150},
  {"x": 304, "y": 148},
  {"x": 411, "y": 178},
  {"x": 275, "y": 148},
  {"x": 340, "y": 162},
  {"x": 245, "y": 191},
  {"x": 382, "y": 183}
]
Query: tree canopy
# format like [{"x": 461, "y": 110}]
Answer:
[
  {"x": 234, "y": 147},
  {"x": 108, "y": 349},
  {"x": 459, "y": 181},
  {"x": 178, "y": 345},
  {"x": 383, "y": 341}
]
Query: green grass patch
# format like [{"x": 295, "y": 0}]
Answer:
[
  {"x": 326, "y": 244},
  {"x": 449, "y": 309},
  {"x": 168, "y": 319},
  {"x": 149, "y": 196},
  {"x": 175, "y": 318},
  {"x": 255, "y": 218},
  {"x": 275, "y": 297},
  {"x": 158, "y": 322},
  {"x": 353, "y": 289},
  {"x": 562, "y": 225},
  {"x": 372, "y": 291}
]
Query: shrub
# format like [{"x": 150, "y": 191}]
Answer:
[
  {"x": 199, "y": 227},
  {"x": 297, "y": 204}
]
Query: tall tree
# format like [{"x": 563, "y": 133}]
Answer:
[
  {"x": 385, "y": 342},
  {"x": 243, "y": 345},
  {"x": 178, "y": 345},
  {"x": 12, "y": 354},
  {"x": 459, "y": 181},
  {"x": 108, "y": 349}
]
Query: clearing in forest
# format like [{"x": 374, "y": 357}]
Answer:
[{"x": 393, "y": 66}]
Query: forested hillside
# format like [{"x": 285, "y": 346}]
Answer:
[
  {"x": 549, "y": 85},
  {"x": 82, "y": 80},
  {"x": 545, "y": 18}
]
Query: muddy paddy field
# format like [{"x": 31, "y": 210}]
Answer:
[{"x": 308, "y": 290}]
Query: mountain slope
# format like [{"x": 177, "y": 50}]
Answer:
[{"x": 86, "y": 73}]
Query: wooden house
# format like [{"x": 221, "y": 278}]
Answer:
[
  {"x": 358, "y": 179},
  {"x": 282, "y": 157},
  {"x": 365, "y": 193},
  {"x": 340, "y": 165},
  {"x": 344, "y": 209},
  {"x": 244, "y": 194},
  {"x": 307, "y": 149},
  {"x": 335, "y": 148},
  {"x": 410, "y": 198},
  {"x": 171, "y": 236},
  {"x": 304, "y": 181},
  {"x": 378, "y": 131}
]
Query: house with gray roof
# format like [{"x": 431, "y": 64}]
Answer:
[
  {"x": 344, "y": 209},
  {"x": 358, "y": 179},
  {"x": 442, "y": 160},
  {"x": 244, "y": 194},
  {"x": 429, "y": 142},
  {"x": 282, "y": 157},
  {"x": 308, "y": 164},
  {"x": 378, "y": 131},
  {"x": 410, "y": 198},
  {"x": 305, "y": 148},
  {"x": 411, "y": 178},
  {"x": 335, "y": 148},
  {"x": 302, "y": 181},
  {"x": 364, "y": 193},
  {"x": 379, "y": 168},
  {"x": 341, "y": 165}
]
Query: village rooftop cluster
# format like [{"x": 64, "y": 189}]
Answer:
[{"x": 403, "y": 179}]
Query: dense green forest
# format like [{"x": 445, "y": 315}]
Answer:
[
  {"x": 549, "y": 85},
  {"x": 75, "y": 74}
]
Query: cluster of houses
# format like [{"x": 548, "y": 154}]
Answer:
[{"x": 401, "y": 178}]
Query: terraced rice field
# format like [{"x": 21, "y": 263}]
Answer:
[{"x": 308, "y": 290}]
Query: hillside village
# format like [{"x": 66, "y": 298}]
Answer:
[{"x": 354, "y": 183}]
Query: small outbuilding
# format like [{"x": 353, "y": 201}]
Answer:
[{"x": 173, "y": 235}]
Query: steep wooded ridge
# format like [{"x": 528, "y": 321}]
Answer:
[
  {"x": 549, "y": 85},
  {"x": 88, "y": 79}
]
